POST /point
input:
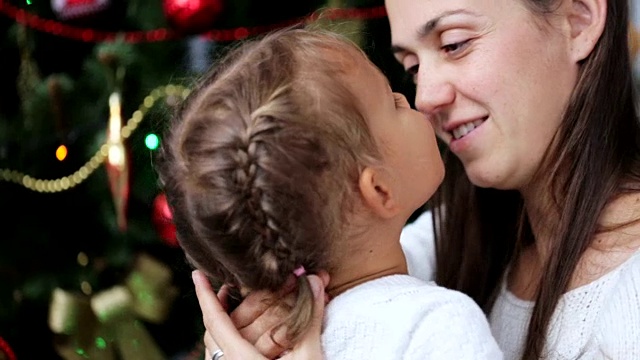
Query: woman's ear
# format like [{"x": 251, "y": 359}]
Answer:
[
  {"x": 377, "y": 193},
  {"x": 587, "y": 19}
]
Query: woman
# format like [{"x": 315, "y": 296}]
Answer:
[{"x": 535, "y": 101}]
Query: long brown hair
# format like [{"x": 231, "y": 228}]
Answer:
[
  {"x": 261, "y": 162},
  {"x": 596, "y": 158}
]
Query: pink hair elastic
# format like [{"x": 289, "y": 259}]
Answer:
[{"x": 299, "y": 271}]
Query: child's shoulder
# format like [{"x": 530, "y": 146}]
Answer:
[{"x": 403, "y": 294}]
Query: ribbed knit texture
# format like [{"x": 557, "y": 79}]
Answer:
[
  {"x": 600, "y": 320},
  {"x": 401, "y": 317}
]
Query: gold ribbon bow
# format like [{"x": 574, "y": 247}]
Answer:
[{"x": 107, "y": 326}]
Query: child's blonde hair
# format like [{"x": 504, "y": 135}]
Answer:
[{"x": 261, "y": 163}]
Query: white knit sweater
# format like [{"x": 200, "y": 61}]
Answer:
[
  {"x": 600, "y": 320},
  {"x": 401, "y": 317}
]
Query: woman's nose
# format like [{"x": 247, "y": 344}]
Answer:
[{"x": 434, "y": 93}]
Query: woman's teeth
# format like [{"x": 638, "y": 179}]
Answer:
[{"x": 464, "y": 129}]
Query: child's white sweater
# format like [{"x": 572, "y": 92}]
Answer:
[{"x": 401, "y": 317}]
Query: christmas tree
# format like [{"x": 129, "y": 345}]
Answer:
[{"x": 89, "y": 264}]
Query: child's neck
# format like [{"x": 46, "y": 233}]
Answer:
[{"x": 370, "y": 255}]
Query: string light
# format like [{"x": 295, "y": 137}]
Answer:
[
  {"x": 61, "y": 152},
  {"x": 82, "y": 259},
  {"x": 152, "y": 141},
  {"x": 70, "y": 181},
  {"x": 101, "y": 343}
]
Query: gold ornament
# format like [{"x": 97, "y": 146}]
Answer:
[
  {"x": 117, "y": 162},
  {"x": 107, "y": 325},
  {"x": 70, "y": 181}
]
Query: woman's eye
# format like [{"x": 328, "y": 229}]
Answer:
[
  {"x": 454, "y": 48},
  {"x": 412, "y": 70}
]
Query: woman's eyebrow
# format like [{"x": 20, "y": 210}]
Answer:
[{"x": 431, "y": 25}]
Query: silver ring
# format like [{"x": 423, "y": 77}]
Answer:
[{"x": 217, "y": 354}]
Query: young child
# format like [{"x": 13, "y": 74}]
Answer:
[{"x": 294, "y": 156}]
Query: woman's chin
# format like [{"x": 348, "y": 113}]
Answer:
[{"x": 486, "y": 179}]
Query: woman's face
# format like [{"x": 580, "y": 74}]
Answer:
[{"x": 493, "y": 78}]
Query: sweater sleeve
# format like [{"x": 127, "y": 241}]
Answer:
[
  {"x": 457, "y": 329},
  {"x": 418, "y": 243}
]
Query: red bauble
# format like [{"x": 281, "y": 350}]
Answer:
[
  {"x": 192, "y": 16},
  {"x": 6, "y": 353},
  {"x": 163, "y": 221}
]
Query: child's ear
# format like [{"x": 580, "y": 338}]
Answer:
[{"x": 377, "y": 193}]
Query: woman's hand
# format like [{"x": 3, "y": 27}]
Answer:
[{"x": 256, "y": 320}]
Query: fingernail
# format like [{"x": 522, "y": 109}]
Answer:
[
  {"x": 316, "y": 287},
  {"x": 194, "y": 275}
]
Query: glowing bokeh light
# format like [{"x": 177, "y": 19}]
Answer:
[
  {"x": 152, "y": 141},
  {"x": 61, "y": 152}
]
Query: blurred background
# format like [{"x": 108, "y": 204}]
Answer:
[{"x": 89, "y": 264}]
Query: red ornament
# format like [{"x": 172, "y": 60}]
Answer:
[
  {"x": 192, "y": 16},
  {"x": 5, "y": 351},
  {"x": 70, "y": 9},
  {"x": 163, "y": 221}
]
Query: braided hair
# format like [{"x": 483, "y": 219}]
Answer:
[{"x": 260, "y": 163}]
